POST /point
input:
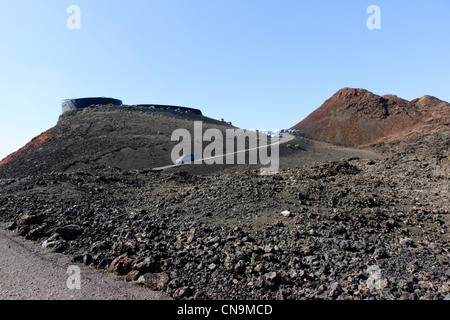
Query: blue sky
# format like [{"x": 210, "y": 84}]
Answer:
[{"x": 260, "y": 64}]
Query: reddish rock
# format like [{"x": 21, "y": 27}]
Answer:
[{"x": 121, "y": 265}]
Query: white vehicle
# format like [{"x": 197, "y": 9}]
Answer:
[
  {"x": 277, "y": 135},
  {"x": 187, "y": 158}
]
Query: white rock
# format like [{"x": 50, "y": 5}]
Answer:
[{"x": 286, "y": 213}]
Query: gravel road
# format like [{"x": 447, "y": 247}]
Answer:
[{"x": 28, "y": 272}]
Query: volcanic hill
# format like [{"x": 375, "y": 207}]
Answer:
[
  {"x": 125, "y": 137},
  {"x": 357, "y": 117}
]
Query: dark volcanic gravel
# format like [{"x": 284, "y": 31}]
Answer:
[{"x": 313, "y": 232}]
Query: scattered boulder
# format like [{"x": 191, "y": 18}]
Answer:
[
  {"x": 133, "y": 275},
  {"x": 55, "y": 242},
  {"x": 149, "y": 264},
  {"x": 154, "y": 281},
  {"x": 121, "y": 265}
]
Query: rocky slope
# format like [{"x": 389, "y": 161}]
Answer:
[
  {"x": 307, "y": 233},
  {"x": 357, "y": 117}
]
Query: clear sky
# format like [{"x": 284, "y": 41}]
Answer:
[{"x": 260, "y": 64}]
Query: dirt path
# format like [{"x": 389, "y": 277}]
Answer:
[
  {"x": 28, "y": 272},
  {"x": 285, "y": 139}
]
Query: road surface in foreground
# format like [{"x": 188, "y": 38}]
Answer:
[{"x": 28, "y": 272}]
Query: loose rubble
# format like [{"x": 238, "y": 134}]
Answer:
[{"x": 311, "y": 232}]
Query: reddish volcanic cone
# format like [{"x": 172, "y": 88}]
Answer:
[{"x": 357, "y": 117}]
